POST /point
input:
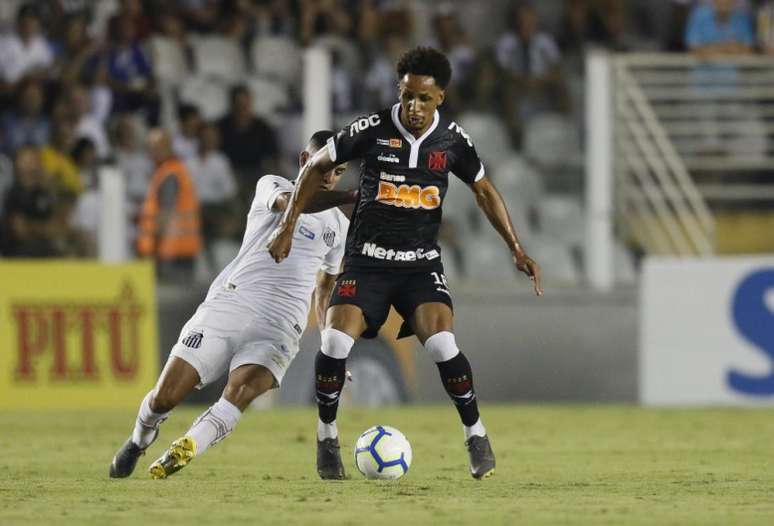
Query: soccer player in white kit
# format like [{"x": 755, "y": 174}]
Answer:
[{"x": 250, "y": 323}]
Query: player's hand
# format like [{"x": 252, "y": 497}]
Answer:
[
  {"x": 280, "y": 242},
  {"x": 528, "y": 266}
]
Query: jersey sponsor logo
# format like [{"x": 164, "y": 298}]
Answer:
[
  {"x": 329, "y": 236},
  {"x": 193, "y": 340},
  {"x": 306, "y": 232},
  {"x": 392, "y": 143},
  {"x": 363, "y": 124},
  {"x": 437, "y": 161},
  {"x": 348, "y": 288},
  {"x": 373, "y": 250},
  {"x": 388, "y": 158},
  {"x": 456, "y": 127},
  {"x": 405, "y": 196},
  {"x": 384, "y": 176}
]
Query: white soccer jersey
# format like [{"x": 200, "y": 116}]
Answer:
[{"x": 282, "y": 291}]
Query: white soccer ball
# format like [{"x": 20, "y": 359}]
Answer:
[{"x": 382, "y": 452}]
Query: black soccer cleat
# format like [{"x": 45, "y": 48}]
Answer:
[
  {"x": 482, "y": 459},
  {"x": 329, "y": 465},
  {"x": 125, "y": 461}
]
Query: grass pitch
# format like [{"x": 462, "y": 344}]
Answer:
[{"x": 556, "y": 465}]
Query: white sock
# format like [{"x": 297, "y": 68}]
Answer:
[
  {"x": 215, "y": 424},
  {"x": 326, "y": 430},
  {"x": 475, "y": 429},
  {"x": 147, "y": 423}
]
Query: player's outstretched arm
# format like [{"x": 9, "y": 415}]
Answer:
[
  {"x": 321, "y": 201},
  {"x": 308, "y": 183},
  {"x": 491, "y": 202}
]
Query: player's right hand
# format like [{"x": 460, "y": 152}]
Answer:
[
  {"x": 529, "y": 266},
  {"x": 280, "y": 242}
]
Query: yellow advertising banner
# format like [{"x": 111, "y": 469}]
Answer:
[{"x": 76, "y": 335}]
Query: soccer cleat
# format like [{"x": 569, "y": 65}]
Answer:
[
  {"x": 125, "y": 459},
  {"x": 329, "y": 465},
  {"x": 179, "y": 454},
  {"x": 482, "y": 459}
]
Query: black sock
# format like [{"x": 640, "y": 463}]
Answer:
[
  {"x": 329, "y": 380},
  {"x": 457, "y": 379}
]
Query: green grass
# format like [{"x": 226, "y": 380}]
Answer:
[{"x": 556, "y": 465}]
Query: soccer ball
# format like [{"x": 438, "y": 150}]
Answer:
[{"x": 382, "y": 452}]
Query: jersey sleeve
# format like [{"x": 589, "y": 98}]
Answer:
[
  {"x": 352, "y": 141},
  {"x": 268, "y": 188},
  {"x": 332, "y": 261},
  {"x": 467, "y": 164}
]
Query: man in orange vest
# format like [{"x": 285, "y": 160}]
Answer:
[{"x": 169, "y": 227}]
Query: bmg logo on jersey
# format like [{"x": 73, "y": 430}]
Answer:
[{"x": 405, "y": 196}]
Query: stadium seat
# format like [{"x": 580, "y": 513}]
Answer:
[
  {"x": 561, "y": 218},
  {"x": 207, "y": 94},
  {"x": 518, "y": 181},
  {"x": 489, "y": 135},
  {"x": 220, "y": 58},
  {"x": 551, "y": 141},
  {"x": 623, "y": 265},
  {"x": 168, "y": 60},
  {"x": 276, "y": 57},
  {"x": 269, "y": 96},
  {"x": 556, "y": 261}
]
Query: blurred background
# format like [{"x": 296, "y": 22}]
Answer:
[{"x": 632, "y": 141}]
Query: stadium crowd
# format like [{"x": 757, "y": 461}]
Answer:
[{"x": 83, "y": 81}]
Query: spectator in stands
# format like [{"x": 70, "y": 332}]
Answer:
[
  {"x": 186, "y": 140},
  {"x": 89, "y": 118},
  {"x": 26, "y": 124},
  {"x": 32, "y": 224},
  {"x": 216, "y": 188},
  {"x": 25, "y": 52},
  {"x": 765, "y": 26},
  {"x": 75, "y": 51},
  {"x": 324, "y": 17},
  {"x": 248, "y": 142},
  {"x": 169, "y": 228},
  {"x": 452, "y": 39},
  {"x": 130, "y": 73},
  {"x": 84, "y": 154},
  {"x": 533, "y": 62},
  {"x": 380, "y": 77},
  {"x": 133, "y": 12},
  {"x": 132, "y": 161},
  {"x": 57, "y": 161},
  {"x": 201, "y": 16},
  {"x": 719, "y": 28}
]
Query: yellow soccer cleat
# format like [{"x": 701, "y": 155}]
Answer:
[{"x": 179, "y": 454}]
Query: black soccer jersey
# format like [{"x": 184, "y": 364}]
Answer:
[{"x": 403, "y": 182}]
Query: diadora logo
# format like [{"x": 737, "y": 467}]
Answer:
[
  {"x": 405, "y": 196},
  {"x": 392, "y": 143},
  {"x": 388, "y": 158},
  {"x": 375, "y": 251},
  {"x": 363, "y": 124}
]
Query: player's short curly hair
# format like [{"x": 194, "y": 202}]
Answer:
[{"x": 426, "y": 61}]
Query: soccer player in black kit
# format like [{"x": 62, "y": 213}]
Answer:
[{"x": 392, "y": 256}]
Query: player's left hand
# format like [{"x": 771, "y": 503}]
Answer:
[
  {"x": 280, "y": 242},
  {"x": 528, "y": 266}
]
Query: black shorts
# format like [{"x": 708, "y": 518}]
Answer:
[{"x": 375, "y": 291}]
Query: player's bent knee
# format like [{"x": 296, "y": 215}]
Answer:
[
  {"x": 442, "y": 346},
  {"x": 336, "y": 344}
]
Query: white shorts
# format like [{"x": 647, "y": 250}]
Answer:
[{"x": 223, "y": 335}]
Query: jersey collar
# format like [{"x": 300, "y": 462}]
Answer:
[{"x": 414, "y": 142}]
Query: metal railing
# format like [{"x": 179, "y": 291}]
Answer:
[{"x": 689, "y": 134}]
